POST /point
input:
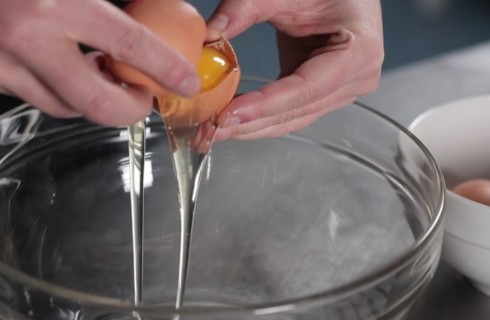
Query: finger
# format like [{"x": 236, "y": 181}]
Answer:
[
  {"x": 83, "y": 87},
  {"x": 201, "y": 142},
  {"x": 128, "y": 41},
  {"x": 286, "y": 122},
  {"x": 280, "y": 96},
  {"x": 232, "y": 17},
  {"x": 21, "y": 83},
  {"x": 279, "y": 130},
  {"x": 319, "y": 77}
]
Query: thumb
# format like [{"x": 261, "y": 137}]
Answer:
[{"x": 232, "y": 17}]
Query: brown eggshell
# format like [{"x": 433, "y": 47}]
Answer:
[
  {"x": 477, "y": 190},
  {"x": 175, "y": 21},
  {"x": 181, "y": 112}
]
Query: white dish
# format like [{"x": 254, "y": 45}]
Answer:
[{"x": 457, "y": 135}]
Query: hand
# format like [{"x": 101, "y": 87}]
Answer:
[
  {"x": 40, "y": 60},
  {"x": 331, "y": 52}
]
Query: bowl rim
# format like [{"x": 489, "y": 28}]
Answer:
[
  {"x": 468, "y": 242},
  {"x": 473, "y": 101},
  {"x": 321, "y": 298}
]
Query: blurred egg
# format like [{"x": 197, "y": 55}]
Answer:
[
  {"x": 176, "y": 22},
  {"x": 476, "y": 189},
  {"x": 183, "y": 28}
]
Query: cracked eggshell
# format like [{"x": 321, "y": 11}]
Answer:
[{"x": 181, "y": 112}]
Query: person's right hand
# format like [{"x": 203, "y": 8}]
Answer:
[{"x": 41, "y": 63}]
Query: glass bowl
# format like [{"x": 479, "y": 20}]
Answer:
[{"x": 332, "y": 222}]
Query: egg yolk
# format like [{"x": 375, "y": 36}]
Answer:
[{"x": 213, "y": 67}]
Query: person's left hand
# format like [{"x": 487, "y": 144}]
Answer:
[{"x": 331, "y": 53}]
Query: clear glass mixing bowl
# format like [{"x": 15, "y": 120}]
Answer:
[{"x": 342, "y": 220}]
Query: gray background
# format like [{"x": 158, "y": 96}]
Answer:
[{"x": 413, "y": 30}]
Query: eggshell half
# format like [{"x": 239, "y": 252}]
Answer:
[{"x": 188, "y": 112}]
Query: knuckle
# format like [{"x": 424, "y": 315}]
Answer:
[
  {"x": 313, "y": 93},
  {"x": 370, "y": 84},
  {"x": 372, "y": 73},
  {"x": 20, "y": 40},
  {"x": 290, "y": 116},
  {"x": 310, "y": 91},
  {"x": 48, "y": 104},
  {"x": 169, "y": 73},
  {"x": 380, "y": 57},
  {"x": 127, "y": 45},
  {"x": 238, "y": 131},
  {"x": 378, "y": 53},
  {"x": 280, "y": 131},
  {"x": 285, "y": 117},
  {"x": 375, "y": 56}
]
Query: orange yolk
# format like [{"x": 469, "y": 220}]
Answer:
[{"x": 212, "y": 68}]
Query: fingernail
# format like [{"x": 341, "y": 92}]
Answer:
[
  {"x": 190, "y": 86},
  {"x": 218, "y": 23},
  {"x": 232, "y": 121},
  {"x": 213, "y": 36},
  {"x": 219, "y": 136},
  {"x": 206, "y": 146}
]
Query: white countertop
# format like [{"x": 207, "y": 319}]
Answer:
[
  {"x": 405, "y": 93},
  {"x": 408, "y": 91}
]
